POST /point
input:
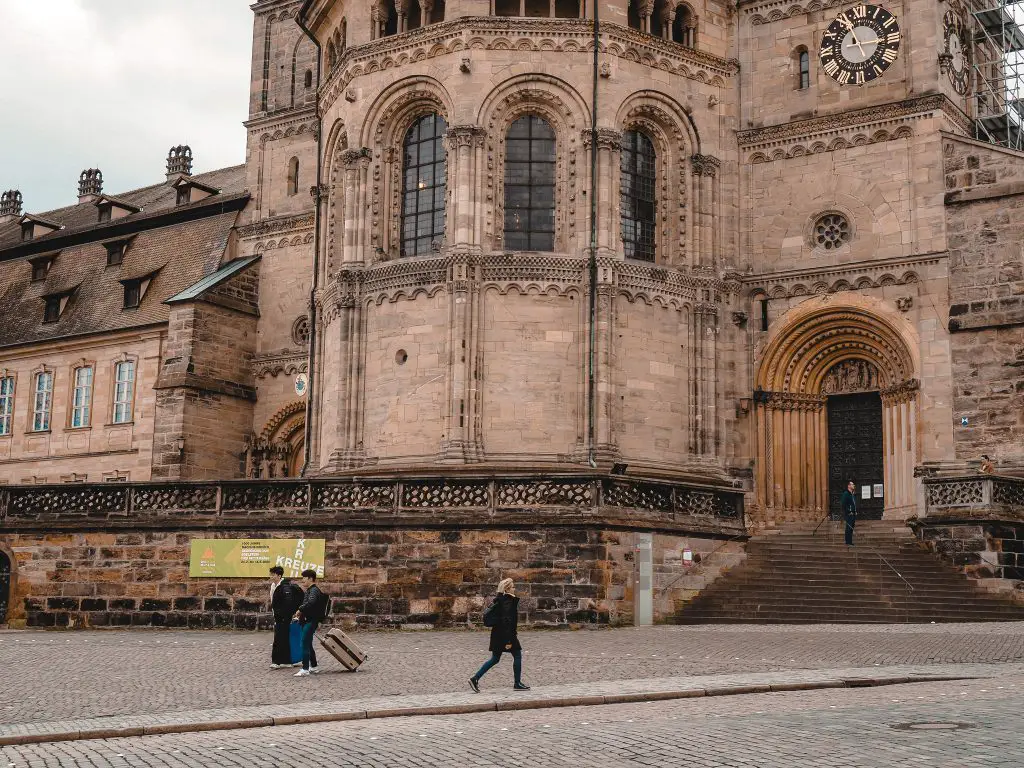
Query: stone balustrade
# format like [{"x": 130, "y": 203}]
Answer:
[{"x": 974, "y": 497}]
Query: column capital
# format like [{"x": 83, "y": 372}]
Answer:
[
  {"x": 705, "y": 165},
  {"x": 607, "y": 138},
  {"x": 464, "y": 136},
  {"x": 353, "y": 158}
]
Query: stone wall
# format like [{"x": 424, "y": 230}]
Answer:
[
  {"x": 985, "y": 211},
  {"x": 398, "y": 553}
]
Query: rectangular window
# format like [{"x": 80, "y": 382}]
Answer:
[
  {"x": 52, "y": 312},
  {"x": 105, "y": 212},
  {"x": 805, "y": 70},
  {"x": 115, "y": 253},
  {"x": 6, "y": 404},
  {"x": 82, "y": 398},
  {"x": 124, "y": 391},
  {"x": 132, "y": 294},
  {"x": 184, "y": 195},
  {"x": 39, "y": 270},
  {"x": 42, "y": 402}
]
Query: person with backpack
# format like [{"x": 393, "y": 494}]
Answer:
[
  {"x": 503, "y": 619},
  {"x": 312, "y": 611},
  {"x": 285, "y": 599}
]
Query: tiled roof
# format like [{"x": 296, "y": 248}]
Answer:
[
  {"x": 160, "y": 197},
  {"x": 183, "y": 253}
]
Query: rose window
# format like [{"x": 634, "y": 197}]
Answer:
[{"x": 831, "y": 231}]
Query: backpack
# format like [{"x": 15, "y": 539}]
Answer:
[{"x": 492, "y": 615}]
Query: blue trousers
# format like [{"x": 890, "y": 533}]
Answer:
[
  {"x": 517, "y": 665},
  {"x": 308, "y": 654}
]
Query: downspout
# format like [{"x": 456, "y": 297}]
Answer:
[
  {"x": 312, "y": 379},
  {"x": 592, "y": 352}
]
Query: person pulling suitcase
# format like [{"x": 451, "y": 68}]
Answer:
[
  {"x": 312, "y": 611},
  {"x": 503, "y": 619}
]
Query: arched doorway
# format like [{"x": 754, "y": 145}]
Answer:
[
  {"x": 279, "y": 450},
  {"x": 5, "y": 585},
  {"x": 836, "y": 398}
]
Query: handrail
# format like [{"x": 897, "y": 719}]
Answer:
[{"x": 873, "y": 551}]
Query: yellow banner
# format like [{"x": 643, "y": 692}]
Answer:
[{"x": 253, "y": 558}]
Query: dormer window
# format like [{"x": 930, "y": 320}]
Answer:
[
  {"x": 41, "y": 266},
  {"x": 52, "y": 312},
  {"x": 135, "y": 289},
  {"x": 27, "y": 230},
  {"x": 190, "y": 191},
  {"x": 132, "y": 294},
  {"x": 116, "y": 250},
  {"x": 33, "y": 227},
  {"x": 112, "y": 208}
]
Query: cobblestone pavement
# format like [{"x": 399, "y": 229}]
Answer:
[
  {"x": 101, "y": 673},
  {"x": 838, "y": 728}
]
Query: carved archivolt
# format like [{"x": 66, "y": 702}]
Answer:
[
  {"x": 784, "y": 10},
  {"x": 284, "y": 242},
  {"x": 819, "y": 334}
]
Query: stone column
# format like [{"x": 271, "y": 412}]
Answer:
[
  {"x": 705, "y": 171},
  {"x": 462, "y": 439},
  {"x": 348, "y": 337},
  {"x": 461, "y": 142},
  {"x": 609, "y": 148},
  {"x": 353, "y": 161},
  {"x": 603, "y": 429},
  {"x": 899, "y": 425},
  {"x": 792, "y": 472}
]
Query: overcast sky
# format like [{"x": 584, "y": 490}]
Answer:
[{"x": 113, "y": 84}]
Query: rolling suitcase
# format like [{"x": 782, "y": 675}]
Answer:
[
  {"x": 343, "y": 648},
  {"x": 295, "y": 642}
]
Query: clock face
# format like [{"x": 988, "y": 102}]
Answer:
[
  {"x": 860, "y": 45},
  {"x": 958, "y": 69}
]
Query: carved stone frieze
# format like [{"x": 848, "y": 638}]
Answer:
[
  {"x": 903, "y": 392},
  {"x": 850, "y": 376},
  {"x": 829, "y": 280},
  {"x": 288, "y": 363},
  {"x": 299, "y": 223},
  {"x": 523, "y": 34}
]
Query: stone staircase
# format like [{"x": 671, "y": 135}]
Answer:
[{"x": 798, "y": 576}]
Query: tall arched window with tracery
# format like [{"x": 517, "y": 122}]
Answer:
[
  {"x": 424, "y": 181},
  {"x": 530, "y": 185},
  {"x": 638, "y": 196}
]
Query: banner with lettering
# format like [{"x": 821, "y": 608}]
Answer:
[{"x": 253, "y": 558}]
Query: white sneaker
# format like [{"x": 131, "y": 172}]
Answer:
[
  {"x": 315, "y": 670},
  {"x": 296, "y": 664},
  {"x": 278, "y": 666},
  {"x": 302, "y": 673}
]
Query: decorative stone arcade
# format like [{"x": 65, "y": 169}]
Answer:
[{"x": 825, "y": 347}]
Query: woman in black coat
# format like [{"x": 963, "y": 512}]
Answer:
[{"x": 504, "y": 612}]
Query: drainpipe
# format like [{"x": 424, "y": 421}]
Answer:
[
  {"x": 592, "y": 352},
  {"x": 312, "y": 382}
]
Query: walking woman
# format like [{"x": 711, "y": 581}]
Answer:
[{"x": 502, "y": 617}]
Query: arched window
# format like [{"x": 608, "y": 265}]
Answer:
[
  {"x": 637, "y": 196},
  {"x": 437, "y": 13},
  {"x": 530, "y": 185},
  {"x": 309, "y": 78},
  {"x": 506, "y": 7},
  {"x": 803, "y": 64},
  {"x": 537, "y": 9},
  {"x": 424, "y": 177},
  {"x": 332, "y": 55},
  {"x": 660, "y": 17},
  {"x": 293, "y": 176},
  {"x": 633, "y": 17},
  {"x": 413, "y": 16},
  {"x": 567, "y": 9},
  {"x": 684, "y": 27},
  {"x": 342, "y": 36}
]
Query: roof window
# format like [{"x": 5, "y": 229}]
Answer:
[
  {"x": 55, "y": 304},
  {"x": 116, "y": 249},
  {"x": 135, "y": 290},
  {"x": 190, "y": 191},
  {"x": 41, "y": 266}
]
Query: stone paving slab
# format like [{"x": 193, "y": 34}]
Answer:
[
  {"x": 587, "y": 694},
  {"x": 74, "y": 675}
]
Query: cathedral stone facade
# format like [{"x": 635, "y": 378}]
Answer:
[{"x": 748, "y": 249}]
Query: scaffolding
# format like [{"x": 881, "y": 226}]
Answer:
[{"x": 998, "y": 66}]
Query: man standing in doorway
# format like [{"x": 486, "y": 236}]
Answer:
[{"x": 849, "y": 505}]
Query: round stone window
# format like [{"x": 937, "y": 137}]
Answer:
[
  {"x": 401, "y": 356},
  {"x": 300, "y": 331},
  {"x": 831, "y": 231}
]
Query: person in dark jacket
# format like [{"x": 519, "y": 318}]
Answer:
[
  {"x": 849, "y": 504},
  {"x": 504, "y": 638},
  {"x": 312, "y": 611},
  {"x": 285, "y": 598}
]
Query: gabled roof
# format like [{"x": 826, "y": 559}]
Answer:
[
  {"x": 210, "y": 282},
  {"x": 107, "y": 199},
  {"x": 29, "y": 217},
  {"x": 192, "y": 181}
]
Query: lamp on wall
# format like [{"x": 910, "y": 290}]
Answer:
[{"x": 180, "y": 445}]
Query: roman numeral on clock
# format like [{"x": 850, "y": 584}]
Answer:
[
  {"x": 889, "y": 55},
  {"x": 831, "y": 67}
]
